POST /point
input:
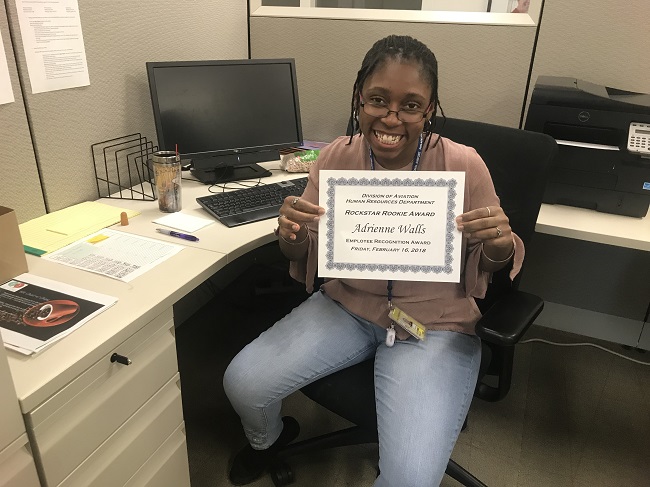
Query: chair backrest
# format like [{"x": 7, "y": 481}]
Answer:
[{"x": 518, "y": 162}]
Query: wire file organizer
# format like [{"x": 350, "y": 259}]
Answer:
[{"x": 122, "y": 168}]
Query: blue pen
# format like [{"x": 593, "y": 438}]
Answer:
[{"x": 184, "y": 236}]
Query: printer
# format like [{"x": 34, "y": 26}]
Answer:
[{"x": 603, "y": 137}]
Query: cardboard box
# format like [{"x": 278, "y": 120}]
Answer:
[{"x": 12, "y": 255}]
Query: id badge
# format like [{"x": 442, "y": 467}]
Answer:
[{"x": 411, "y": 325}]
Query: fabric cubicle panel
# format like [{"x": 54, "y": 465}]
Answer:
[
  {"x": 120, "y": 37},
  {"x": 597, "y": 42},
  {"x": 483, "y": 69},
  {"x": 20, "y": 187}
]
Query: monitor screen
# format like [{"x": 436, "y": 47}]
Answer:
[{"x": 226, "y": 115}]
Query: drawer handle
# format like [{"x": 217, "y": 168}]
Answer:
[{"x": 120, "y": 359}]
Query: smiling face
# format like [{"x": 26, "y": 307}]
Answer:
[{"x": 396, "y": 85}]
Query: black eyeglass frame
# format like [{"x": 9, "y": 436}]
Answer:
[{"x": 423, "y": 114}]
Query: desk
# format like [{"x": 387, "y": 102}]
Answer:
[
  {"x": 591, "y": 269},
  {"x": 92, "y": 421},
  {"x": 592, "y": 226}
]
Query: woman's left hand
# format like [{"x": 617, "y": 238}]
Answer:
[{"x": 491, "y": 226}]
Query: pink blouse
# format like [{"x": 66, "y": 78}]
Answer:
[{"x": 437, "y": 305}]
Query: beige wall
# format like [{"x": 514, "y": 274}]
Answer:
[
  {"x": 483, "y": 69},
  {"x": 601, "y": 42},
  {"x": 483, "y": 74},
  {"x": 120, "y": 36},
  {"x": 20, "y": 187}
]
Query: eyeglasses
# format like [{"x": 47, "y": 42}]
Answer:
[{"x": 406, "y": 115}]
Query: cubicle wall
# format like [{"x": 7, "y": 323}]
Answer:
[
  {"x": 601, "y": 42},
  {"x": 483, "y": 74},
  {"x": 482, "y": 68},
  {"x": 20, "y": 187},
  {"x": 120, "y": 36}
]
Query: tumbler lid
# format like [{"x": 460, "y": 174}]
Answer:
[{"x": 165, "y": 157}]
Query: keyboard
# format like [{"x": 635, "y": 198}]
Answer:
[{"x": 233, "y": 208}]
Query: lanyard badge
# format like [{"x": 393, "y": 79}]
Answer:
[
  {"x": 401, "y": 319},
  {"x": 397, "y": 316},
  {"x": 410, "y": 324}
]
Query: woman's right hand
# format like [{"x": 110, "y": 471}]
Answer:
[{"x": 294, "y": 214}]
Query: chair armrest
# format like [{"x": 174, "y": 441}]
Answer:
[{"x": 508, "y": 319}]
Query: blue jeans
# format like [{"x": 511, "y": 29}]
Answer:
[{"x": 423, "y": 389}]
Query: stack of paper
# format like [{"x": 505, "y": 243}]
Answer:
[
  {"x": 184, "y": 223},
  {"x": 56, "y": 230},
  {"x": 36, "y": 312}
]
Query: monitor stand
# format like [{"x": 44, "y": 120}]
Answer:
[
  {"x": 232, "y": 167},
  {"x": 227, "y": 174}
]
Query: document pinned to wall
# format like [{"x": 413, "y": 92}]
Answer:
[
  {"x": 53, "y": 43},
  {"x": 6, "y": 92}
]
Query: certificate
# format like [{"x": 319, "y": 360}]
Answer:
[{"x": 397, "y": 225}]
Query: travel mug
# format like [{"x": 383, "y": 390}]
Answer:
[{"x": 167, "y": 175}]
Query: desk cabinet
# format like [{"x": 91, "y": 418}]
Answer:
[
  {"x": 591, "y": 289},
  {"x": 17, "y": 467},
  {"x": 111, "y": 424}
]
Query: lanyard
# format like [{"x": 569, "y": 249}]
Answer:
[{"x": 416, "y": 163}]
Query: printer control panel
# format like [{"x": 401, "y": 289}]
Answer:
[{"x": 638, "y": 139}]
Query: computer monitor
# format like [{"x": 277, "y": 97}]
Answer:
[{"x": 226, "y": 115}]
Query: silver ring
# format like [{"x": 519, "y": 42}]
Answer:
[
  {"x": 295, "y": 200},
  {"x": 499, "y": 232},
  {"x": 488, "y": 209}
]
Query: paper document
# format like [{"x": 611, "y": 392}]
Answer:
[
  {"x": 6, "y": 91},
  {"x": 184, "y": 223},
  {"x": 53, "y": 43},
  {"x": 57, "y": 229},
  {"x": 115, "y": 254},
  {"x": 398, "y": 225},
  {"x": 35, "y": 311}
]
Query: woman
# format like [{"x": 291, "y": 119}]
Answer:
[{"x": 423, "y": 388}]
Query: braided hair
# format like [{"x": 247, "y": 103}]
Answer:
[{"x": 399, "y": 48}]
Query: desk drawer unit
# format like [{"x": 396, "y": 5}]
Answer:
[
  {"x": 17, "y": 465},
  {"x": 119, "y": 457},
  {"x": 168, "y": 467},
  {"x": 11, "y": 421},
  {"x": 78, "y": 427}
]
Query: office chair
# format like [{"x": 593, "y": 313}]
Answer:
[{"x": 517, "y": 161}]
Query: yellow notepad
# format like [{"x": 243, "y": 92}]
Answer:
[{"x": 55, "y": 230}]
